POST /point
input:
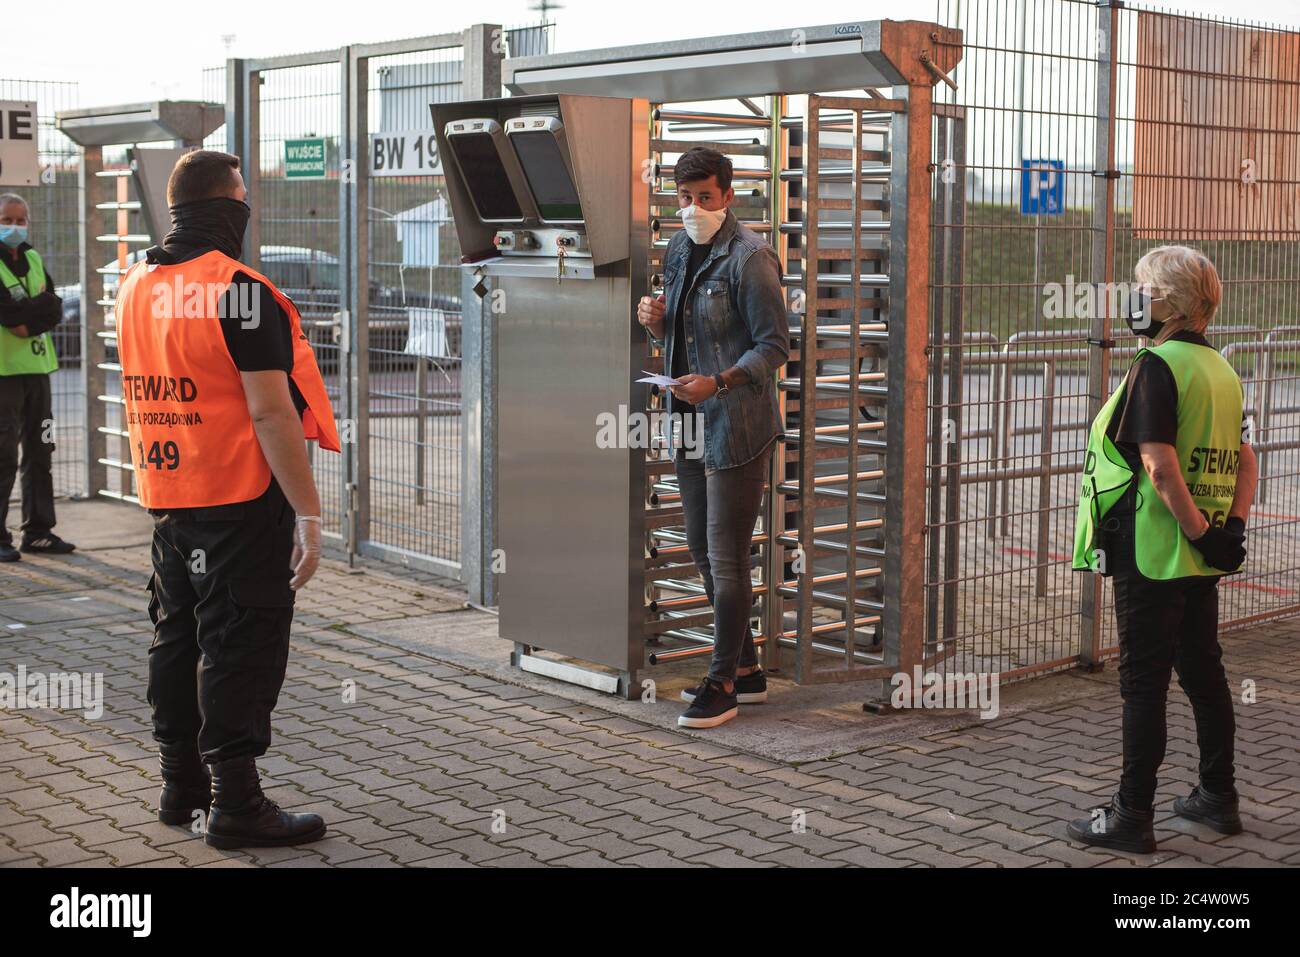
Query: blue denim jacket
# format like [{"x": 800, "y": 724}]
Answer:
[{"x": 735, "y": 316}]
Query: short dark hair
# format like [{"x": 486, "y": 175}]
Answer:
[
  {"x": 700, "y": 162},
  {"x": 201, "y": 174}
]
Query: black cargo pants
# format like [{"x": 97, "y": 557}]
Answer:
[
  {"x": 1167, "y": 627},
  {"x": 26, "y": 413},
  {"x": 221, "y": 608}
]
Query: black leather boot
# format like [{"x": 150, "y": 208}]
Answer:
[
  {"x": 242, "y": 816},
  {"x": 186, "y": 785},
  {"x": 1119, "y": 828},
  {"x": 1217, "y": 811}
]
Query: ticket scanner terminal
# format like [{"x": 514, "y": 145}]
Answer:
[{"x": 553, "y": 217}]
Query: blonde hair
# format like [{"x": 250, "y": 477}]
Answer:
[{"x": 1189, "y": 283}]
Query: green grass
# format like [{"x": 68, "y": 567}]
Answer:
[{"x": 1261, "y": 277}]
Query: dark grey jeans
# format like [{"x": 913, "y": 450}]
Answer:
[{"x": 721, "y": 508}]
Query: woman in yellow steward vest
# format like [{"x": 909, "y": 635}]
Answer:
[
  {"x": 28, "y": 311},
  {"x": 1168, "y": 479}
]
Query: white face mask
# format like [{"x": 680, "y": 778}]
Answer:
[{"x": 702, "y": 224}]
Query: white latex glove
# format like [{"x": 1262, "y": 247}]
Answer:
[{"x": 306, "y": 549}]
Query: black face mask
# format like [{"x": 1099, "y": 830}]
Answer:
[
  {"x": 1137, "y": 315},
  {"x": 219, "y": 223}
]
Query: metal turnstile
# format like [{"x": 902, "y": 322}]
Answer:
[{"x": 596, "y": 566}]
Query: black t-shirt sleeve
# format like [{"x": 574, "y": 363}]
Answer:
[
  {"x": 1150, "y": 411},
  {"x": 257, "y": 331},
  {"x": 255, "y": 327}
]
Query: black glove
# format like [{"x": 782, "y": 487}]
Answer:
[{"x": 1223, "y": 548}]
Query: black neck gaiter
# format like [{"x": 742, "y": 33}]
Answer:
[{"x": 218, "y": 223}]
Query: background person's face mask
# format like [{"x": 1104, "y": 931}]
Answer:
[
  {"x": 702, "y": 224},
  {"x": 1138, "y": 314},
  {"x": 13, "y": 236}
]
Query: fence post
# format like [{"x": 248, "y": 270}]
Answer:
[
  {"x": 480, "y": 79},
  {"x": 93, "y": 348},
  {"x": 355, "y": 250},
  {"x": 905, "y": 409},
  {"x": 1103, "y": 272},
  {"x": 237, "y": 127}
]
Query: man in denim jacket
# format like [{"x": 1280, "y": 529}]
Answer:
[{"x": 724, "y": 327}]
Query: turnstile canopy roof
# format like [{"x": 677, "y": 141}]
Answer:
[
  {"x": 841, "y": 56},
  {"x": 186, "y": 120}
]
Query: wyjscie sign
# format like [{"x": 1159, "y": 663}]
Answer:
[
  {"x": 304, "y": 159},
  {"x": 19, "y": 165},
  {"x": 405, "y": 153},
  {"x": 1042, "y": 187}
]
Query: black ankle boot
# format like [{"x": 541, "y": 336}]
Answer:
[
  {"x": 244, "y": 817},
  {"x": 1217, "y": 811},
  {"x": 1120, "y": 829},
  {"x": 186, "y": 785}
]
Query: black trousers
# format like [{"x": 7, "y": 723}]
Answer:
[
  {"x": 26, "y": 421},
  {"x": 1169, "y": 626},
  {"x": 221, "y": 608}
]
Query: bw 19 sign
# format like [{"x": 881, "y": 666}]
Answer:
[
  {"x": 19, "y": 165},
  {"x": 405, "y": 153}
]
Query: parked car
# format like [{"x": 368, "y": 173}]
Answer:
[{"x": 310, "y": 277}]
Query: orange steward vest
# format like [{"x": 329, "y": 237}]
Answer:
[{"x": 192, "y": 438}]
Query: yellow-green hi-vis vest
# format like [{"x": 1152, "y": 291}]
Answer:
[
  {"x": 1209, "y": 449},
  {"x": 21, "y": 355}
]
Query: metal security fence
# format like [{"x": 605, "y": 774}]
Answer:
[
  {"x": 1093, "y": 132},
  {"x": 351, "y": 221},
  {"x": 413, "y": 373},
  {"x": 55, "y": 208}
]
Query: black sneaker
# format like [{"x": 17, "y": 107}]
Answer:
[
  {"x": 750, "y": 689},
  {"x": 1117, "y": 828},
  {"x": 711, "y": 707},
  {"x": 49, "y": 543},
  {"x": 1218, "y": 812},
  {"x": 9, "y": 554}
]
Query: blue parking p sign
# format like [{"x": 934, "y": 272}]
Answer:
[{"x": 1042, "y": 187}]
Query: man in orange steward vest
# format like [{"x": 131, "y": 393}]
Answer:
[{"x": 221, "y": 391}]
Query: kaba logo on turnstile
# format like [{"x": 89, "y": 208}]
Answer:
[{"x": 845, "y": 28}]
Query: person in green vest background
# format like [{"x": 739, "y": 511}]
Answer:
[
  {"x": 1168, "y": 483},
  {"x": 28, "y": 311}
]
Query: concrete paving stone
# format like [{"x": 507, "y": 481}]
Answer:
[
  {"x": 132, "y": 850},
  {"x": 693, "y": 826},
  {"x": 1007, "y": 837},
  {"x": 730, "y": 859},
  {"x": 543, "y": 847},
  {"x": 478, "y": 848},
  {"x": 411, "y": 771},
  {"x": 642, "y": 809},
  {"x": 610, "y": 846},
  {"x": 580, "y": 810},
  {"x": 656, "y": 859},
  {"x": 453, "y": 812},
  {"x": 1254, "y": 859},
  {"x": 679, "y": 845},
  {"x": 583, "y": 859},
  {"x": 861, "y": 856}
]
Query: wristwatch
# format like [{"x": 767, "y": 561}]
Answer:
[{"x": 722, "y": 386}]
